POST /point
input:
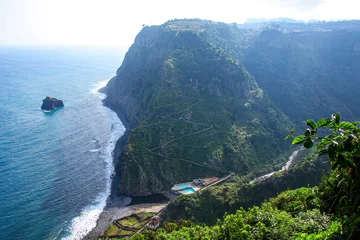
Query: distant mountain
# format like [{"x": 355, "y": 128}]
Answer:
[
  {"x": 308, "y": 74},
  {"x": 313, "y": 21},
  {"x": 281, "y": 19},
  {"x": 293, "y": 25}
]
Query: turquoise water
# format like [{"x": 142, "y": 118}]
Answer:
[
  {"x": 189, "y": 190},
  {"x": 55, "y": 168},
  {"x": 182, "y": 186}
]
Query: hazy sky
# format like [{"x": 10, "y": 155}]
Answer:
[{"x": 116, "y": 22}]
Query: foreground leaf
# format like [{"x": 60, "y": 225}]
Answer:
[
  {"x": 346, "y": 125},
  {"x": 298, "y": 140},
  {"x": 308, "y": 143},
  {"x": 323, "y": 122},
  {"x": 311, "y": 123}
]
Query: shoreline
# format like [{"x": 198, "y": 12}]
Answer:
[
  {"x": 115, "y": 205},
  {"x": 119, "y": 206},
  {"x": 120, "y": 143}
]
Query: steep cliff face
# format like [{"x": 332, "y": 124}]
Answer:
[
  {"x": 138, "y": 72},
  {"x": 195, "y": 110}
]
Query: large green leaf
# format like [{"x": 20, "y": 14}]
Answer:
[
  {"x": 291, "y": 134},
  {"x": 298, "y": 140},
  {"x": 308, "y": 143},
  {"x": 323, "y": 143},
  {"x": 337, "y": 118},
  {"x": 310, "y": 198},
  {"x": 356, "y": 123},
  {"x": 311, "y": 123},
  {"x": 346, "y": 125},
  {"x": 323, "y": 122},
  {"x": 323, "y": 152}
]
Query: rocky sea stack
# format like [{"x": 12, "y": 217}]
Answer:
[{"x": 50, "y": 103}]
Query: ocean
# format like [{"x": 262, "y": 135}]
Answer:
[{"x": 55, "y": 168}]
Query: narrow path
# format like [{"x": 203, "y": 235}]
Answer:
[
  {"x": 210, "y": 126},
  {"x": 218, "y": 181},
  {"x": 188, "y": 108},
  {"x": 186, "y": 135},
  {"x": 189, "y": 161}
]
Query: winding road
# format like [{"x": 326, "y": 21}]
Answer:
[{"x": 209, "y": 127}]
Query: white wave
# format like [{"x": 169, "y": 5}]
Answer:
[
  {"x": 83, "y": 224},
  {"x": 98, "y": 86},
  {"x": 94, "y": 150}
]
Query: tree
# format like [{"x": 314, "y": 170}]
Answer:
[{"x": 340, "y": 193}]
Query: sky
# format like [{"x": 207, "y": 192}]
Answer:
[{"x": 116, "y": 22}]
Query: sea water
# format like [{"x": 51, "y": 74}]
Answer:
[{"x": 55, "y": 168}]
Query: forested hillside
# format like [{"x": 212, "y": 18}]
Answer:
[
  {"x": 195, "y": 109},
  {"x": 308, "y": 74},
  {"x": 205, "y": 99},
  {"x": 327, "y": 211}
]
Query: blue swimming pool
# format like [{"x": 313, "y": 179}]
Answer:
[
  {"x": 189, "y": 190},
  {"x": 182, "y": 186}
]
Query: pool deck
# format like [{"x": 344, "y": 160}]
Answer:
[{"x": 196, "y": 185}]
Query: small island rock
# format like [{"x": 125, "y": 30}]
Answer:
[{"x": 50, "y": 103}]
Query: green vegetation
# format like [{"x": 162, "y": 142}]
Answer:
[
  {"x": 200, "y": 112},
  {"x": 145, "y": 215},
  {"x": 329, "y": 211},
  {"x": 307, "y": 74},
  {"x": 340, "y": 192},
  {"x": 205, "y": 98},
  {"x": 209, "y": 205},
  {"x": 136, "y": 221},
  {"x": 293, "y": 214},
  {"x": 129, "y": 221},
  {"x": 112, "y": 230},
  {"x": 127, "y": 225}
]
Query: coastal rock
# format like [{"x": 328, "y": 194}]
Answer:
[{"x": 50, "y": 103}]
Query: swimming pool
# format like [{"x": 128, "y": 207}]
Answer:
[
  {"x": 182, "y": 186},
  {"x": 189, "y": 190}
]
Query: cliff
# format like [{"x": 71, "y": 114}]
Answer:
[
  {"x": 206, "y": 98},
  {"x": 194, "y": 109}
]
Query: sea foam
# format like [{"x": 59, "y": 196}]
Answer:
[{"x": 86, "y": 221}]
